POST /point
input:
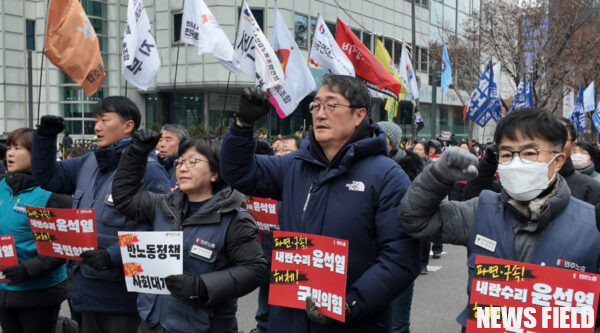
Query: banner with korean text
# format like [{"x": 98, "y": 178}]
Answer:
[
  {"x": 309, "y": 265},
  {"x": 63, "y": 233},
  {"x": 149, "y": 257},
  {"x": 264, "y": 212},
  {"x": 8, "y": 255},
  {"x": 512, "y": 296}
]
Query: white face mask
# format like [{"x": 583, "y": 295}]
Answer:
[
  {"x": 524, "y": 181},
  {"x": 581, "y": 161}
]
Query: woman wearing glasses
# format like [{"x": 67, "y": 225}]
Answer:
[{"x": 222, "y": 259}]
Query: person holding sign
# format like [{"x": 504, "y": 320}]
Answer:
[
  {"x": 535, "y": 219},
  {"x": 340, "y": 184},
  {"x": 97, "y": 287},
  {"x": 38, "y": 284},
  {"x": 222, "y": 259}
]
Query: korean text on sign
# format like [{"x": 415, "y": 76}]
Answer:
[
  {"x": 149, "y": 257},
  {"x": 544, "y": 291},
  {"x": 264, "y": 212},
  {"x": 309, "y": 265},
  {"x": 63, "y": 233},
  {"x": 8, "y": 255}
]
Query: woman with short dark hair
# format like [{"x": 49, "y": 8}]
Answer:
[
  {"x": 203, "y": 298},
  {"x": 38, "y": 284}
]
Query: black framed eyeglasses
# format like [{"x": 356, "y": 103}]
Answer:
[
  {"x": 329, "y": 107},
  {"x": 189, "y": 163},
  {"x": 527, "y": 155}
]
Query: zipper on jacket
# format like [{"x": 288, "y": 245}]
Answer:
[
  {"x": 306, "y": 202},
  {"x": 172, "y": 214}
]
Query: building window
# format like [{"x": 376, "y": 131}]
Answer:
[
  {"x": 397, "y": 52},
  {"x": 331, "y": 26},
  {"x": 301, "y": 30},
  {"x": 389, "y": 46},
  {"x": 366, "y": 39},
  {"x": 258, "y": 16},
  {"x": 424, "y": 56},
  {"x": 356, "y": 32},
  {"x": 177, "y": 17},
  {"x": 30, "y": 34},
  {"x": 311, "y": 32},
  {"x": 424, "y": 3}
]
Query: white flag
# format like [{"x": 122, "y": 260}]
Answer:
[
  {"x": 589, "y": 100},
  {"x": 140, "y": 59},
  {"x": 326, "y": 53},
  {"x": 298, "y": 81},
  {"x": 200, "y": 28},
  {"x": 407, "y": 74},
  {"x": 254, "y": 53}
]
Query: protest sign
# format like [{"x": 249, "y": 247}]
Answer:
[
  {"x": 264, "y": 212},
  {"x": 8, "y": 255},
  {"x": 512, "y": 296},
  {"x": 63, "y": 233},
  {"x": 149, "y": 257},
  {"x": 309, "y": 265}
]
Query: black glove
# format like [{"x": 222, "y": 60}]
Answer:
[
  {"x": 491, "y": 154},
  {"x": 319, "y": 318},
  {"x": 16, "y": 274},
  {"x": 50, "y": 126},
  {"x": 254, "y": 104},
  {"x": 97, "y": 259},
  {"x": 186, "y": 286},
  {"x": 144, "y": 141}
]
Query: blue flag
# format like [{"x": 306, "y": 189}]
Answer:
[
  {"x": 577, "y": 115},
  {"x": 596, "y": 118},
  {"x": 446, "y": 80},
  {"x": 523, "y": 97},
  {"x": 485, "y": 103}
]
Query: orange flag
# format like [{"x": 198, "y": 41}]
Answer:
[{"x": 71, "y": 44}]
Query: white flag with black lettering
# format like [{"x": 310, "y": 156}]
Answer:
[
  {"x": 254, "y": 53},
  {"x": 326, "y": 53},
  {"x": 298, "y": 81},
  {"x": 200, "y": 28},
  {"x": 140, "y": 59}
]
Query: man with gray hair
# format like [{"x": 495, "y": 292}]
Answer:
[
  {"x": 171, "y": 136},
  {"x": 341, "y": 184}
]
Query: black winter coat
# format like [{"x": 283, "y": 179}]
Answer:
[
  {"x": 583, "y": 187},
  {"x": 248, "y": 265}
]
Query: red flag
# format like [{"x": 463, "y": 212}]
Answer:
[
  {"x": 71, "y": 44},
  {"x": 366, "y": 66},
  {"x": 465, "y": 111}
]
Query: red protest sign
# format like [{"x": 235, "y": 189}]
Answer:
[
  {"x": 264, "y": 212},
  {"x": 309, "y": 265},
  {"x": 63, "y": 233},
  {"x": 512, "y": 296},
  {"x": 8, "y": 255}
]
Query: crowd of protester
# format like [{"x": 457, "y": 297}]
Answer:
[{"x": 395, "y": 199}]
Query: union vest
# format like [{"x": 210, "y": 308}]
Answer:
[
  {"x": 13, "y": 221},
  {"x": 192, "y": 316},
  {"x": 571, "y": 236}
]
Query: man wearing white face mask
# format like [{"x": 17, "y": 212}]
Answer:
[{"x": 534, "y": 219}]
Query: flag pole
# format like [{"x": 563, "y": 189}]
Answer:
[
  {"x": 42, "y": 64},
  {"x": 125, "y": 88},
  {"x": 172, "y": 113},
  {"x": 229, "y": 75}
]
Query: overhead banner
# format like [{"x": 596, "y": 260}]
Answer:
[
  {"x": 512, "y": 296},
  {"x": 264, "y": 212},
  {"x": 309, "y": 265},
  {"x": 8, "y": 255},
  {"x": 150, "y": 256},
  {"x": 63, "y": 233}
]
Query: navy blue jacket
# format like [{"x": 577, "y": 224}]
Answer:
[
  {"x": 355, "y": 199},
  {"x": 89, "y": 179}
]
